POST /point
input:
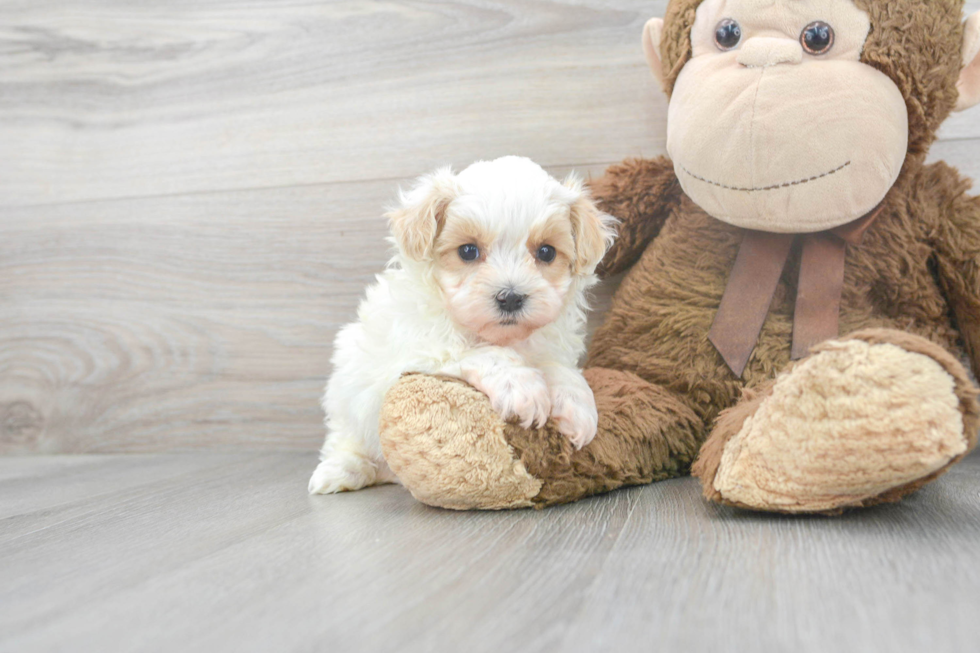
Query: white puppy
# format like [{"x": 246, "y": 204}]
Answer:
[{"x": 487, "y": 286}]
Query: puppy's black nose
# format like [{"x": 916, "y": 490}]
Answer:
[{"x": 510, "y": 301}]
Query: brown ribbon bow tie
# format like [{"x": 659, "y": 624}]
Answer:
[{"x": 755, "y": 276}]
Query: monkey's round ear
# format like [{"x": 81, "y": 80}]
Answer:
[
  {"x": 652, "y": 35},
  {"x": 591, "y": 228},
  {"x": 969, "y": 83},
  {"x": 416, "y": 222}
]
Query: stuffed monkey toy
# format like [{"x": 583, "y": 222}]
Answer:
[{"x": 800, "y": 286}]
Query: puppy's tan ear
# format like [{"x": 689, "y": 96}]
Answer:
[
  {"x": 591, "y": 228},
  {"x": 416, "y": 223}
]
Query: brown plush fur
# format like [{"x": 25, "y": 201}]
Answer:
[
  {"x": 648, "y": 435},
  {"x": 659, "y": 383},
  {"x": 642, "y": 216},
  {"x": 917, "y": 267}
]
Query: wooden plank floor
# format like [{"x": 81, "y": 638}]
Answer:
[{"x": 226, "y": 552}]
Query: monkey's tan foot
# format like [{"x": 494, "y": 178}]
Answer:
[
  {"x": 863, "y": 420},
  {"x": 444, "y": 441},
  {"x": 450, "y": 449}
]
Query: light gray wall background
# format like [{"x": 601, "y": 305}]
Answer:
[{"x": 191, "y": 191}]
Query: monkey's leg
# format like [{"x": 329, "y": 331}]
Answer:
[
  {"x": 863, "y": 420},
  {"x": 449, "y": 448}
]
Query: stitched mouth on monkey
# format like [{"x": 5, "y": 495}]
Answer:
[{"x": 770, "y": 187}]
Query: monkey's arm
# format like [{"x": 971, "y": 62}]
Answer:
[
  {"x": 958, "y": 263},
  {"x": 641, "y": 193}
]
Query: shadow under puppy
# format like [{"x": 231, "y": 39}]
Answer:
[{"x": 488, "y": 286}]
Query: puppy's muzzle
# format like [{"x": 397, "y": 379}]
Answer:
[{"x": 509, "y": 301}]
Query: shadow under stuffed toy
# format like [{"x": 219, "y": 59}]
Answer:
[{"x": 801, "y": 284}]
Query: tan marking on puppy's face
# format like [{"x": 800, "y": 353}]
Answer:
[
  {"x": 456, "y": 232},
  {"x": 555, "y": 231},
  {"x": 507, "y": 262}
]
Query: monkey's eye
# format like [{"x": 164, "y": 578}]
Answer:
[
  {"x": 546, "y": 253},
  {"x": 817, "y": 38},
  {"x": 469, "y": 252},
  {"x": 728, "y": 34}
]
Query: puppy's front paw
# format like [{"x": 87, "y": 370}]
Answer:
[
  {"x": 519, "y": 393},
  {"x": 342, "y": 471},
  {"x": 573, "y": 409}
]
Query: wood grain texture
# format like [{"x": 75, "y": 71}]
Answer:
[
  {"x": 191, "y": 192},
  {"x": 215, "y": 552},
  {"x": 181, "y": 321},
  {"x": 112, "y": 98}
]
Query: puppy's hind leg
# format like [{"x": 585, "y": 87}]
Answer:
[{"x": 347, "y": 465}]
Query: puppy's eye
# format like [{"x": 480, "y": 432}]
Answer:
[
  {"x": 469, "y": 252},
  {"x": 817, "y": 38},
  {"x": 546, "y": 253},
  {"x": 728, "y": 34}
]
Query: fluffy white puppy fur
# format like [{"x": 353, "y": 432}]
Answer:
[{"x": 488, "y": 285}]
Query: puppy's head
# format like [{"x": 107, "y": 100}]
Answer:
[{"x": 507, "y": 245}]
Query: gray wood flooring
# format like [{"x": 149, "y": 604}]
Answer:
[{"x": 226, "y": 552}]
